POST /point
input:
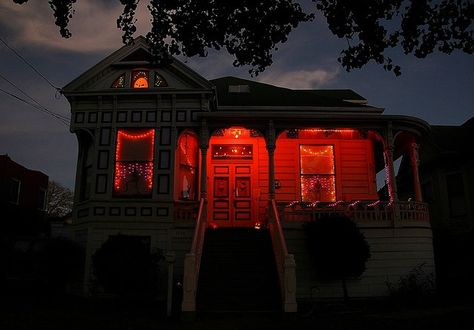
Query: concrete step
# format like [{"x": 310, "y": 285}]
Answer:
[{"x": 238, "y": 272}]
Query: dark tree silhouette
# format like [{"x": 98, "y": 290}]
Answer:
[
  {"x": 338, "y": 249},
  {"x": 250, "y": 30}
]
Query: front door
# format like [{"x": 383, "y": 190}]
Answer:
[{"x": 230, "y": 200}]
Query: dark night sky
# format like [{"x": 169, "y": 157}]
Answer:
[{"x": 438, "y": 89}]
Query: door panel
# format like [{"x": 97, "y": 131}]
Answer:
[{"x": 232, "y": 195}]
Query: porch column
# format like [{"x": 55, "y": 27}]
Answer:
[
  {"x": 271, "y": 146},
  {"x": 388, "y": 157},
  {"x": 415, "y": 162},
  {"x": 204, "y": 145}
]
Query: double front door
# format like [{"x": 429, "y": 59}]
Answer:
[{"x": 231, "y": 203}]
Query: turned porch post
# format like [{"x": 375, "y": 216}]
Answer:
[
  {"x": 271, "y": 146},
  {"x": 388, "y": 157},
  {"x": 392, "y": 179},
  {"x": 415, "y": 162},
  {"x": 203, "y": 146}
]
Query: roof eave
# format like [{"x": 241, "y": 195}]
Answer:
[{"x": 319, "y": 109}]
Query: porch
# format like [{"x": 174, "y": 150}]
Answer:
[{"x": 279, "y": 215}]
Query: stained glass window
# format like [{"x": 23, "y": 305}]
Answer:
[
  {"x": 232, "y": 151},
  {"x": 134, "y": 162},
  {"x": 318, "y": 182},
  {"x": 140, "y": 79},
  {"x": 119, "y": 82},
  {"x": 160, "y": 81}
]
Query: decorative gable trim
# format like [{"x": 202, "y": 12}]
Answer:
[{"x": 105, "y": 67}]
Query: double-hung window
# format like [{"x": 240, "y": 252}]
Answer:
[{"x": 317, "y": 173}]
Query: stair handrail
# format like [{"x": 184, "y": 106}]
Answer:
[
  {"x": 192, "y": 260},
  {"x": 285, "y": 261}
]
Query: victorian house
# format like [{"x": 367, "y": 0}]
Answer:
[{"x": 216, "y": 172}]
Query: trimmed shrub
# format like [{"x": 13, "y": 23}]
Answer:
[
  {"x": 57, "y": 262},
  {"x": 337, "y": 247},
  {"x": 124, "y": 265}
]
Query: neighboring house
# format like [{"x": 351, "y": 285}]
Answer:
[
  {"x": 165, "y": 153},
  {"x": 23, "y": 194},
  {"x": 447, "y": 180}
]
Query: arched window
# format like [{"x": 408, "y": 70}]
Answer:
[
  {"x": 140, "y": 79},
  {"x": 119, "y": 82},
  {"x": 187, "y": 166},
  {"x": 160, "y": 81}
]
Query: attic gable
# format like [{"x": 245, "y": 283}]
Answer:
[{"x": 129, "y": 59}]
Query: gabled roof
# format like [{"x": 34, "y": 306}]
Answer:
[
  {"x": 134, "y": 55},
  {"x": 261, "y": 94}
]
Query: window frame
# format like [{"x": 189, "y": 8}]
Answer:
[
  {"x": 333, "y": 175},
  {"x": 152, "y": 162},
  {"x": 45, "y": 199},
  {"x": 17, "y": 182}
]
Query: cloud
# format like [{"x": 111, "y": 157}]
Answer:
[
  {"x": 93, "y": 25},
  {"x": 300, "y": 79}
]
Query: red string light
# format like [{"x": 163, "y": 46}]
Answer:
[{"x": 136, "y": 176}]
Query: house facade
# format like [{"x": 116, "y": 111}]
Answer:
[{"x": 166, "y": 154}]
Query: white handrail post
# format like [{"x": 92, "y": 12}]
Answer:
[
  {"x": 285, "y": 261},
  {"x": 170, "y": 259},
  {"x": 289, "y": 304},
  {"x": 189, "y": 285}
]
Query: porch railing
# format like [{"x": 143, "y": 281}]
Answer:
[
  {"x": 382, "y": 213},
  {"x": 186, "y": 211},
  {"x": 192, "y": 260},
  {"x": 285, "y": 262}
]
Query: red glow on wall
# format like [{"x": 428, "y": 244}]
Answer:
[{"x": 134, "y": 162}]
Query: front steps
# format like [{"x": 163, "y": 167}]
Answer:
[{"x": 238, "y": 272}]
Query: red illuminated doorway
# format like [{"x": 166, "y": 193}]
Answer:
[
  {"x": 231, "y": 197},
  {"x": 232, "y": 184}
]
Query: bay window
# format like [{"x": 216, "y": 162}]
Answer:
[{"x": 134, "y": 162}]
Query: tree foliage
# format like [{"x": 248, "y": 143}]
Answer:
[
  {"x": 251, "y": 30},
  {"x": 337, "y": 247},
  {"x": 60, "y": 200}
]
